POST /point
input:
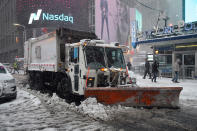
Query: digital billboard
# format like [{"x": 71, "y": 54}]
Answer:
[
  {"x": 71, "y": 14},
  {"x": 112, "y": 21},
  {"x": 190, "y": 10},
  {"x": 139, "y": 20}
]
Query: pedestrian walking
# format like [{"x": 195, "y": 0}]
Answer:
[
  {"x": 15, "y": 67},
  {"x": 176, "y": 69},
  {"x": 155, "y": 70},
  {"x": 147, "y": 69},
  {"x": 129, "y": 65}
]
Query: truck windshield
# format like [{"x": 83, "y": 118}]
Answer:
[
  {"x": 115, "y": 58},
  {"x": 95, "y": 57}
]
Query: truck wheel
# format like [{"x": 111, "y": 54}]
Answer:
[
  {"x": 31, "y": 79},
  {"x": 63, "y": 88},
  {"x": 38, "y": 82}
]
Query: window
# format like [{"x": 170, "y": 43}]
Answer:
[
  {"x": 38, "y": 52},
  {"x": 115, "y": 58},
  {"x": 189, "y": 59},
  {"x": 95, "y": 57},
  {"x": 74, "y": 54}
]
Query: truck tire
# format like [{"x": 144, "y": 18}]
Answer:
[
  {"x": 31, "y": 79},
  {"x": 64, "y": 88},
  {"x": 38, "y": 81}
]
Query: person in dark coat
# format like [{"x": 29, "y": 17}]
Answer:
[
  {"x": 147, "y": 69},
  {"x": 155, "y": 70},
  {"x": 129, "y": 66}
]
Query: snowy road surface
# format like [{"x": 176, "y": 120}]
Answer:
[
  {"x": 41, "y": 112},
  {"x": 27, "y": 112}
]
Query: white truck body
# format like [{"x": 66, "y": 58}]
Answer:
[{"x": 41, "y": 53}]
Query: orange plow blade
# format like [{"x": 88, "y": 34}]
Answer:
[{"x": 167, "y": 97}]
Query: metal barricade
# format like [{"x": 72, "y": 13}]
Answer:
[
  {"x": 165, "y": 71},
  {"x": 189, "y": 72}
]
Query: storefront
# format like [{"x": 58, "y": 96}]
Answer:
[
  {"x": 168, "y": 49},
  {"x": 187, "y": 53}
]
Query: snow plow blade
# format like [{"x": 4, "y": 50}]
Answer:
[{"x": 164, "y": 97}]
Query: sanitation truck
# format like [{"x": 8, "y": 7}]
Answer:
[{"x": 75, "y": 64}]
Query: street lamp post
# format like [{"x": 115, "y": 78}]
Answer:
[{"x": 24, "y": 31}]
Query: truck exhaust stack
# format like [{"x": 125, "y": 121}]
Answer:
[{"x": 163, "y": 97}]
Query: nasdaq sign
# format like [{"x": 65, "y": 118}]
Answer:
[{"x": 50, "y": 17}]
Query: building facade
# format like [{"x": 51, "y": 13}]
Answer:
[
  {"x": 175, "y": 41},
  {"x": 33, "y": 18},
  {"x": 10, "y": 39},
  {"x": 87, "y": 16},
  {"x": 172, "y": 43}
]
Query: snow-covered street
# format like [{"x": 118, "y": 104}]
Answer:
[
  {"x": 33, "y": 110},
  {"x": 28, "y": 112}
]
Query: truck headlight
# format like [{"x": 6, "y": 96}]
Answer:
[
  {"x": 104, "y": 69},
  {"x": 90, "y": 82}
]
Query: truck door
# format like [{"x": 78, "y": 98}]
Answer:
[{"x": 74, "y": 68}]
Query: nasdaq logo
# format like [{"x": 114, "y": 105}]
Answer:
[
  {"x": 62, "y": 17},
  {"x": 35, "y": 16},
  {"x": 50, "y": 17}
]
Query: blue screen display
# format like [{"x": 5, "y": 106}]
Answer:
[{"x": 190, "y": 10}]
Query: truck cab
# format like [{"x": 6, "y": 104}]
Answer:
[{"x": 92, "y": 63}]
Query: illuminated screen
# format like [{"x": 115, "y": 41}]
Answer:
[
  {"x": 139, "y": 20},
  {"x": 190, "y": 10},
  {"x": 112, "y": 20},
  {"x": 150, "y": 57},
  {"x": 71, "y": 14}
]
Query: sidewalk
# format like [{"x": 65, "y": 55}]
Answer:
[{"x": 189, "y": 91}]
